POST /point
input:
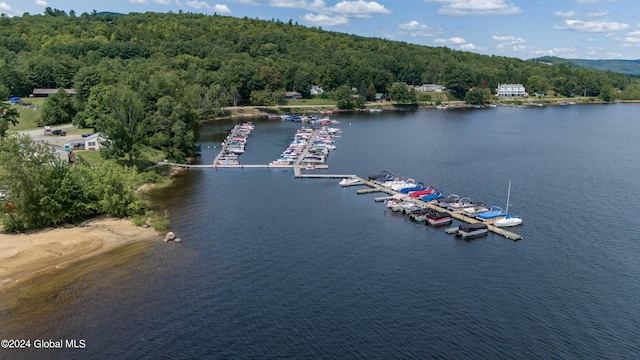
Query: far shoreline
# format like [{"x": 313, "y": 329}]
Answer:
[{"x": 250, "y": 111}]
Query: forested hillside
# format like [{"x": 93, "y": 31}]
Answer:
[{"x": 150, "y": 78}]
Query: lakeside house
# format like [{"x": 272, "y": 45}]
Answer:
[
  {"x": 431, "y": 88},
  {"x": 316, "y": 90},
  {"x": 47, "y": 92},
  {"x": 94, "y": 141},
  {"x": 511, "y": 90}
]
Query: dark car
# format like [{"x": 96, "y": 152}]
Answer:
[{"x": 59, "y": 132}]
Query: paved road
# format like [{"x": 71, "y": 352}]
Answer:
[{"x": 38, "y": 135}]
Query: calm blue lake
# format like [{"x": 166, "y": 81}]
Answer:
[{"x": 274, "y": 267}]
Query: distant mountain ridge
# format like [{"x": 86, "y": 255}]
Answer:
[{"x": 628, "y": 67}]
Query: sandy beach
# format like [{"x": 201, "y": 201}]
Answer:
[{"x": 25, "y": 255}]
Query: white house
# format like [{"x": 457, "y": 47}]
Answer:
[
  {"x": 430, "y": 88},
  {"x": 316, "y": 90},
  {"x": 94, "y": 141},
  {"x": 511, "y": 90}
]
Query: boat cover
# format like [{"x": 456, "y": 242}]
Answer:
[
  {"x": 439, "y": 215},
  {"x": 472, "y": 227},
  {"x": 431, "y": 197},
  {"x": 381, "y": 175},
  {"x": 408, "y": 189},
  {"x": 493, "y": 213}
]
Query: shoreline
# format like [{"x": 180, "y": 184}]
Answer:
[{"x": 25, "y": 256}]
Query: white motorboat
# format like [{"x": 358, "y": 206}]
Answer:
[
  {"x": 461, "y": 204},
  {"x": 508, "y": 220},
  {"x": 350, "y": 181}
]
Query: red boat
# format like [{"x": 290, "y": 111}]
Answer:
[{"x": 429, "y": 190}]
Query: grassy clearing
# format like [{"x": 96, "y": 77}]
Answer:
[
  {"x": 314, "y": 102},
  {"x": 28, "y": 119},
  {"x": 148, "y": 158}
]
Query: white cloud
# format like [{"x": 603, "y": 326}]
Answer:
[
  {"x": 475, "y": 7},
  {"x": 510, "y": 44},
  {"x": 359, "y": 9},
  {"x": 221, "y": 9},
  {"x": 599, "y": 13},
  {"x": 567, "y": 53},
  {"x": 508, "y": 39},
  {"x": 417, "y": 29},
  {"x": 632, "y": 39},
  {"x": 302, "y": 4},
  {"x": 41, "y": 3},
  {"x": 451, "y": 41},
  {"x": 592, "y": 26},
  {"x": 4, "y": 7},
  {"x": 146, "y": 2},
  {"x": 458, "y": 43},
  {"x": 565, "y": 14},
  {"x": 323, "y": 15},
  {"x": 325, "y": 20},
  {"x": 199, "y": 5},
  {"x": 338, "y": 14},
  {"x": 469, "y": 47}
]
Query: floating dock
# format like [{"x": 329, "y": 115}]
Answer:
[
  {"x": 458, "y": 215},
  {"x": 372, "y": 187}
]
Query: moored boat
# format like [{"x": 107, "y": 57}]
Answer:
[
  {"x": 467, "y": 231},
  {"x": 350, "y": 181},
  {"x": 473, "y": 211},
  {"x": 378, "y": 176},
  {"x": 437, "y": 218},
  {"x": 445, "y": 201},
  {"x": 508, "y": 220},
  {"x": 431, "y": 197},
  {"x": 493, "y": 213},
  {"x": 461, "y": 204},
  {"x": 428, "y": 190}
]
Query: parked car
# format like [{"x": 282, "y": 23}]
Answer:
[{"x": 59, "y": 132}]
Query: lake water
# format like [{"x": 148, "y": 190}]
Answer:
[{"x": 277, "y": 267}]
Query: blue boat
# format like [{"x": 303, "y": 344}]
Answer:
[
  {"x": 493, "y": 213},
  {"x": 419, "y": 186},
  {"x": 430, "y": 197}
]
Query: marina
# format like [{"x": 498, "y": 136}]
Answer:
[{"x": 311, "y": 140}]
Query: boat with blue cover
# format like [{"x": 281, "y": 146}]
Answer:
[
  {"x": 508, "y": 220},
  {"x": 417, "y": 187},
  {"x": 493, "y": 213},
  {"x": 431, "y": 197}
]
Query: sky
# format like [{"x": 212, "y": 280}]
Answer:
[{"x": 525, "y": 29}]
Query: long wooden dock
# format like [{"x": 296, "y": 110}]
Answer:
[
  {"x": 372, "y": 187},
  {"x": 458, "y": 215}
]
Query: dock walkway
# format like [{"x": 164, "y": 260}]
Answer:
[
  {"x": 372, "y": 187},
  {"x": 458, "y": 215}
]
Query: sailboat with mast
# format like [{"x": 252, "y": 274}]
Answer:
[{"x": 508, "y": 220}]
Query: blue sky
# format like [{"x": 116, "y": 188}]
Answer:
[{"x": 586, "y": 29}]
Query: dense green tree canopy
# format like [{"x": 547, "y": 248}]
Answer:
[{"x": 41, "y": 190}]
